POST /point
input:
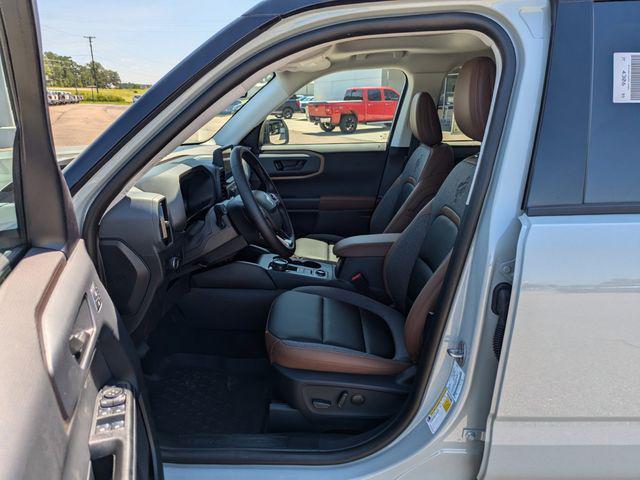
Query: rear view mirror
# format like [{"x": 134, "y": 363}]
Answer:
[{"x": 274, "y": 131}]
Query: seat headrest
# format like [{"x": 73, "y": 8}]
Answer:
[
  {"x": 424, "y": 121},
  {"x": 472, "y": 96}
]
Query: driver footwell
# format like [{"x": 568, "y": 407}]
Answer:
[{"x": 196, "y": 396}]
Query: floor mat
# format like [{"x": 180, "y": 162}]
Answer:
[{"x": 199, "y": 394}]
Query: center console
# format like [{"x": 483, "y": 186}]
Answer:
[{"x": 299, "y": 266}]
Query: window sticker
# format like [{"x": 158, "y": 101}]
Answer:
[
  {"x": 447, "y": 398},
  {"x": 626, "y": 77}
]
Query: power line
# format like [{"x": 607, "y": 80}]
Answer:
[{"x": 93, "y": 64}]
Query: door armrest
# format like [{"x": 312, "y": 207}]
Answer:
[{"x": 365, "y": 245}]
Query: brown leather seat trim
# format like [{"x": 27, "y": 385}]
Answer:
[
  {"x": 450, "y": 214},
  {"x": 423, "y": 304},
  {"x": 308, "y": 357}
]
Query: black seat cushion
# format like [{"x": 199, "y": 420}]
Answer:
[{"x": 332, "y": 330}]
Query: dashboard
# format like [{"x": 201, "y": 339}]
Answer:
[{"x": 173, "y": 218}]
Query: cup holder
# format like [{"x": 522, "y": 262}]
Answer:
[{"x": 306, "y": 264}]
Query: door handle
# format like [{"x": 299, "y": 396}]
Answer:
[
  {"x": 78, "y": 343},
  {"x": 289, "y": 165}
]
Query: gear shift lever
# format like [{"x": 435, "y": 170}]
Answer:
[{"x": 279, "y": 264}]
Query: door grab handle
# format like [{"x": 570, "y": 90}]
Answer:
[
  {"x": 288, "y": 165},
  {"x": 78, "y": 342}
]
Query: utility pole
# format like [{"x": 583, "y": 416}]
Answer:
[{"x": 93, "y": 64}]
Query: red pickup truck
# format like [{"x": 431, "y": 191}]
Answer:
[{"x": 360, "y": 105}]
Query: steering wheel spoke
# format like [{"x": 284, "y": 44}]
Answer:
[{"x": 263, "y": 205}]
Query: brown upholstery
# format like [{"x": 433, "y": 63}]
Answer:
[
  {"x": 422, "y": 306},
  {"x": 473, "y": 94},
  {"x": 312, "y": 357},
  {"x": 424, "y": 121}
]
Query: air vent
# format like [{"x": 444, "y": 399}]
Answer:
[{"x": 166, "y": 233}]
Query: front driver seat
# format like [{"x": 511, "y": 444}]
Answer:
[
  {"x": 330, "y": 330},
  {"x": 426, "y": 169}
]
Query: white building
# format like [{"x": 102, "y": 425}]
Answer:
[{"x": 332, "y": 87}]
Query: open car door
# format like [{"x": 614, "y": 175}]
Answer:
[{"x": 71, "y": 405}]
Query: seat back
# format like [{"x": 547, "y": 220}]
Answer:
[
  {"x": 416, "y": 264},
  {"x": 426, "y": 169}
]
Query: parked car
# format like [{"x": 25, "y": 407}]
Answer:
[
  {"x": 359, "y": 105},
  {"x": 479, "y": 316},
  {"x": 52, "y": 98},
  {"x": 288, "y": 108},
  {"x": 304, "y": 101}
]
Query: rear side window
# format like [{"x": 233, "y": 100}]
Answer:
[
  {"x": 587, "y": 156},
  {"x": 353, "y": 95},
  {"x": 374, "y": 96},
  {"x": 391, "y": 95},
  {"x": 11, "y": 237}
]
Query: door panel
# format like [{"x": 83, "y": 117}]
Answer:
[
  {"x": 339, "y": 196},
  {"x": 62, "y": 343},
  {"x": 53, "y": 428}
]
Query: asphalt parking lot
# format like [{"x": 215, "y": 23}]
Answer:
[{"x": 78, "y": 125}]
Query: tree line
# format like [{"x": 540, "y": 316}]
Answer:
[{"x": 63, "y": 71}]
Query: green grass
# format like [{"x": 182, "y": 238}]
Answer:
[{"x": 107, "y": 95}]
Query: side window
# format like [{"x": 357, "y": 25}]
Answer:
[
  {"x": 374, "y": 96},
  {"x": 353, "y": 95},
  {"x": 450, "y": 130},
  {"x": 390, "y": 95},
  {"x": 334, "y": 109},
  {"x": 11, "y": 236}
]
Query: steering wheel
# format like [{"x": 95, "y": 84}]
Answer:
[{"x": 264, "y": 207}]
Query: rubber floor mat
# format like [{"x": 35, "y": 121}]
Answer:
[{"x": 197, "y": 394}]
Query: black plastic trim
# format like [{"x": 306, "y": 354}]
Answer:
[
  {"x": 428, "y": 22},
  {"x": 584, "y": 209}
]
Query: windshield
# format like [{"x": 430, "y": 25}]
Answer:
[{"x": 212, "y": 127}]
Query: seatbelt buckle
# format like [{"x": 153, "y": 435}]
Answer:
[{"x": 360, "y": 282}]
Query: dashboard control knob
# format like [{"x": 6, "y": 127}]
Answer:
[
  {"x": 279, "y": 264},
  {"x": 113, "y": 392}
]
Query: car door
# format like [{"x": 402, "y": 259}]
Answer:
[
  {"x": 374, "y": 105},
  {"x": 71, "y": 403}
]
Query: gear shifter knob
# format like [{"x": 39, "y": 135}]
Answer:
[{"x": 279, "y": 264}]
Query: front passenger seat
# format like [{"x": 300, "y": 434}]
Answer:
[
  {"x": 426, "y": 169},
  {"x": 316, "y": 335}
]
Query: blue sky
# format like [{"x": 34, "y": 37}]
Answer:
[{"x": 141, "y": 39}]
